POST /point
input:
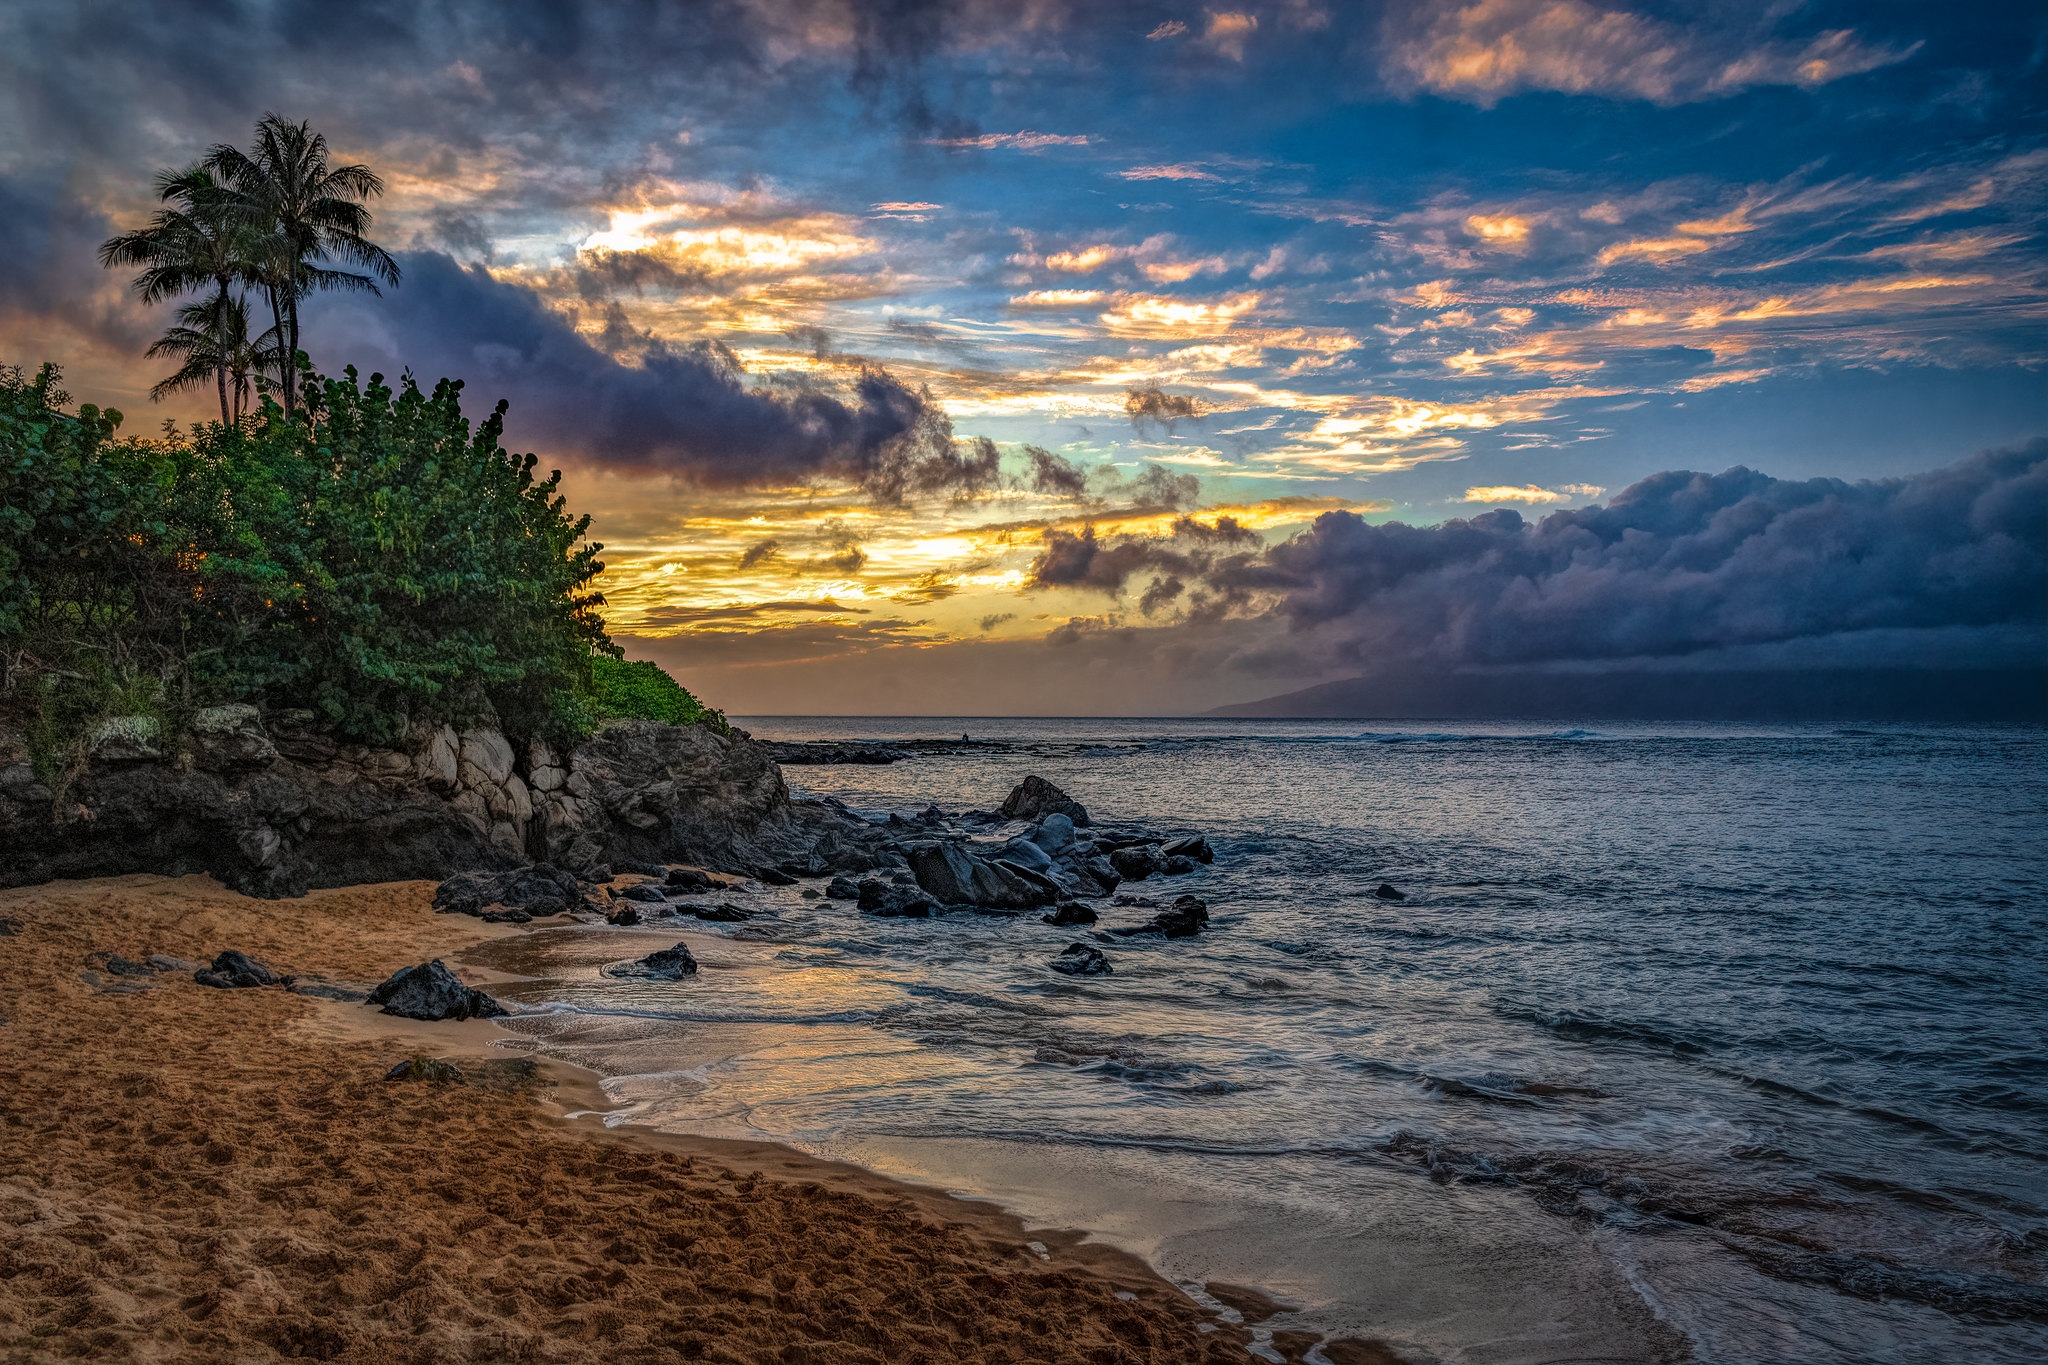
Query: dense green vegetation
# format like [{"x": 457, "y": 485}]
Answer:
[
  {"x": 377, "y": 560},
  {"x": 361, "y": 553}
]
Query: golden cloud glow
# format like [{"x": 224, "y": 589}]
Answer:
[
  {"x": 1503, "y": 230},
  {"x": 1152, "y": 316},
  {"x": 1659, "y": 250}
]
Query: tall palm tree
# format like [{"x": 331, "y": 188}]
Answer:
[
  {"x": 203, "y": 241},
  {"x": 309, "y": 212},
  {"x": 213, "y": 337}
]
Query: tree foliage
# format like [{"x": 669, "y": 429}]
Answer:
[
  {"x": 379, "y": 560},
  {"x": 642, "y": 690}
]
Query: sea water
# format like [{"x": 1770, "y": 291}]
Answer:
[{"x": 1745, "y": 1024}]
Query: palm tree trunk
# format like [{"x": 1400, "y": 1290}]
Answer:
[
  {"x": 277, "y": 326},
  {"x": 293, "y": 360},
  {"x": 220, "y": 379}
]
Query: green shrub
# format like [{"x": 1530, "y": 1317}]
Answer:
[{"x": 624, "y": 689}]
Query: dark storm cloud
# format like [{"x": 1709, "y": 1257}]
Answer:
[
  {"x": 759, "y": 552},
  {"x": 1072, "y": 559},
  {"x": 1055, "y": 475},
  {"x": 1677, "y": 564},
  {"x": 684, "y": 411}
]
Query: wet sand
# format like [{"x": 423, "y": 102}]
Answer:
[{"x": 190, "y": 1174}]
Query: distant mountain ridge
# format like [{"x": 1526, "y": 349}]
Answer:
[{"x": 1818, "y": 694}]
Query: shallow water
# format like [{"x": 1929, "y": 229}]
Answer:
[{"x": 1746, "y": 1021}]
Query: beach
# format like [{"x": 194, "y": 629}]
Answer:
[{"x": 196, "y": 1174}]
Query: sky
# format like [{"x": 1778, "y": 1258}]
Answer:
[{"x": 1031, "y": 357}]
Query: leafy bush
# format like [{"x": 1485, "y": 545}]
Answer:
[
  {"x": 376, "y": 560},
  {"x": 640, "y": 690}
]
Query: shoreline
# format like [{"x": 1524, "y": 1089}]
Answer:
[{"x": 230, "y": 1171}]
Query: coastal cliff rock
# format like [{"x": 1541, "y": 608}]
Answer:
[{"x": 271, "y": 807}]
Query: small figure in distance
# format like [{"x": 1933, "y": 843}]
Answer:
[{"x": 965, "y": 740}]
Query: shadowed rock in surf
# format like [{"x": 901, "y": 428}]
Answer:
[
  {"x": 951, "y": 875},
  {"x": 430, "y": 991},
  {"x": 1081, "y": 959},
  {"x": 1070, "y": 913},
  {"x": 1035, "y": 798},
  {"x": 1188, "y": 916},
  {"x": 1389, "y": 893},
  {"x": 882, "y": 898},
  {"x": 670, "y": 964}
]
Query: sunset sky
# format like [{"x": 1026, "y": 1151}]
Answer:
[{"x": 1182, "y": 280}]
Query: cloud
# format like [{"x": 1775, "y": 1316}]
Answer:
[
  {"x": 1170, "y": 28},
  {"x": 1055, "y": 475},
  {"x": 1152, "y": 404},
  {"x": 1228, "y": 32},
  {"x": 1025, "y": 141},
  {"x": 759, "y": 552},
  {"x": 1674, "y": 565},
  {"x": 994, "y": 619},
  {"x": 1506, "y": 493},
  {"x": 687, "y": 411},
  {"x": 1082, "y": 560},
  {"x": 1179, "y": 170},
  {"x": 1486, "y": 50}
]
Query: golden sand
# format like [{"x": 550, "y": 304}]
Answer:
[{"x": 189, "y": 1174}]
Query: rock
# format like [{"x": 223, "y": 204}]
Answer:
[
  {"x": 1176, "y": 866},
  {"x": 1081, "y": 959},
  {"x": 430, "y": 991},
  {"x": 1054, "y": 834},
  {"x": 1194, "y": 846},
  {"x": 722, "y": 913},
  {"x": 506, "y": 917},
  {"x": 952, "y": 876},
  {"x": 484, "y": 760},
  {"x": 626, "y": 867},
  {"x": 117, "y": 965},
  {"x": 1389, "y": 893},
  {"x": 1035, "y": 798},
  {"x": 625, "y": 917},
  {"x": 126, "y": 739},
  {"x": 773, "y": 876},
  {"x": 1069, "y": 913},
  {"x": 687, "y": 879},
  {"x": 889, "y": 901},
  {"x": 233, "y": 970},
  {"x": 227, "y": 738},
  {"x": 164, "y": 962},
  {"x": 1188, "y": 916},
  {"x": 1104, "y": 872},
  {"x": 1146, "y": 901},
  {"x": 1023, "y": 850},
  {"x": 645, "y": 894},
  {"x": 671, "y": 964},
  {"x": 425, "y": 1069},
  {"x": 842, "y": 889},
  {"x": 596, "y": 874},
  {"x": 1136, "y": 863},
  {"x": 540, "y": 889}
]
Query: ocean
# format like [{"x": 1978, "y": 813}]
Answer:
[{"x": 1734, "y": 1031}]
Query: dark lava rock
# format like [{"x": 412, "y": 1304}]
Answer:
[
  {"x": 1080, "y": 959},
  {"x": 1194, "y": 846},
  {"x": 952, "y": 876},
  {"x": 774, "y": 876},
  {"x": 1389, "y": 893},
  {"x": 671, "y": 964},
  {"x": 425, "y": 1069},
  {"x": 596, "y": 873},
  {"x": 1188, "y": 916},
  {"x": 1071, "y": 912},
  {"x": 506, "y": 917},
  {"x": 626, "y": 866},
  {"x": 120, "y": 966},
  {"x": 1144, "y": 901},
  {"x": 687, "y": 879},
  {"x": 1176, "y": 866},
  {"x": 722, "y": 913},
  {"x": 842, "y": 889},
  {"x": 625, "y": 917},
  {"x": 431, "y": 991},
  {"x": 232, "y": 970},
  {"x": 541, "y": 889},
  {"x": 1103, "y": 871},
  {"x": 646, "y": 895},
  {"x": 903, "y": 902},
  {"x": 1035, "y": 798},
  {"x": 1136, "y": 863},
  {"x": 164, "y": 962}
]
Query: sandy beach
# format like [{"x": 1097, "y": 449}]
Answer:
[{"x": 190, "y": 1174}]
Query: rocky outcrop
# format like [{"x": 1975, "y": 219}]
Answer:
[
  {"x": 1035, "y": 798},
  {"x": 431, "y": 991},
  {"x": 272, "y": 807},
  {"x": 1082, "y": 959}
]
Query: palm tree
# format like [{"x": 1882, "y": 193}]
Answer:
[
  {"x": 213, "y": 336},
  {"x": 308, "y": 212},
  {"x": 201, "y": 242}
]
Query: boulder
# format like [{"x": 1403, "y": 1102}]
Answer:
[
  {"x": 126, "y": 739},
  {"x": 425, "y": 1069},
  {"x": 1025, "y": 852},
  {"x": 773, "y": 876},
  {"x": 1389, "y": 893},
  {"x": 1194, "y": 846},
  {"x": 1054, "y": 834},
  {"x": 228, "y": 738},
  {"x": 903, "y": 902},
  {"x": 1135, "y": 863},
  {"x": 670, "y": 964},
  {"x": 540, "y": 889},
  {"x": 842, "y": 889},
  {"x": 1186, "y": 917},
  {"x": 645, "y": 893},
  {"x": 1069, "y": 913},
  {"x": 430, "y": 991},
  {"x": 1035, "y": 798},
  {"x": 1103, "y": 871},
  {"x": 1081, "y": 959},
  {"x": 722, "y": 913},
  {"x": 1176, "y": 866},
  {"x": 687, "y": 879},
  {"x": 952, "y": 876},
  {"x": 232, "y": 970},
  {"x": 625, "y": 917}
]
